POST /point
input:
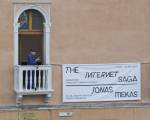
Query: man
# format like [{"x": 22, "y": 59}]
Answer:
[{"x": 32, "y": 59}]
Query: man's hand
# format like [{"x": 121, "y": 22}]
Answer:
[{"x": 38, "y": 59}]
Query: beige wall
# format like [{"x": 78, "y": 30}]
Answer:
[
  {"x": 86, "y": 114},
  {"x": 85, "y": 31},
  {"x": 100, "y": 31},
  {"x": 104, "y": 114},
  {"x": 25, "y": 115}
]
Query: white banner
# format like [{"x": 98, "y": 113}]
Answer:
[{"x": 101, "y": 82}]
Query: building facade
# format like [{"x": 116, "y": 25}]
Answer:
[{"x": 70, "y": 32}]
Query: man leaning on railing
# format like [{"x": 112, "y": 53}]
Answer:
[{"x": 32, "y": 59}]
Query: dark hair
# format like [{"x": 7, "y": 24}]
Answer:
[{"x": 31, "y": 50}]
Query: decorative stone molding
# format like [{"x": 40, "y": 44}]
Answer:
[
  {"x": 16, "y": 26},
  {"x": 47, "y": 27}
]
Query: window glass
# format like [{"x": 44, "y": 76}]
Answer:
[
  {"x": 37, "y": 20},
  {"x": 24, "y": 20}
]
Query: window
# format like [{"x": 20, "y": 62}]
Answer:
[
  {"x": 32, "y": 31},
  {"x": 30, "y": 35},
  {"x": 31, "y": 20}
]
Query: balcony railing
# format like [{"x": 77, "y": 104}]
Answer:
[{"x": 32, "y": 80}]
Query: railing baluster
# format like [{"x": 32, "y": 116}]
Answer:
[
  {"x": 23, "y": 79},
  {"x": 30, "y": 71},
  {"x": 26, "y": 79},
  {"x": 49, "y": 82},
  {"x": 44, "y": 79},
  {"x": 39, "y": 79},
  {"x": 20, "y": 79}
]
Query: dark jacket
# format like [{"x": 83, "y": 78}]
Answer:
[{"x": 31, "y": 60}]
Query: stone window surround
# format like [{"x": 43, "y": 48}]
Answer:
[
  {"x": 20, "y": 8},
  {"x": 44, "y": 9}
]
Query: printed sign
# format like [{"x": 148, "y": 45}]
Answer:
[
  {"x": 27, "y": 116},
  {"x": 101, "y": 82}
]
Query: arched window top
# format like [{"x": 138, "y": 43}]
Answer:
[
  {"x": 42, "y": 11},
  {"x": 31, "y": 20}
]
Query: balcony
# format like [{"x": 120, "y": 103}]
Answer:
[{"x": 32, "y": 80}]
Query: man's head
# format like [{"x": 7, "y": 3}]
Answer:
[{"x": 33, "y": 52}]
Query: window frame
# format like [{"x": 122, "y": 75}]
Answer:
[
  {"x": 30, "y": 22},
  {"x": 46, "y": 32}
]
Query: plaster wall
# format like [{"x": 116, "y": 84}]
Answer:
[{"x": 84, "y": 32}]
